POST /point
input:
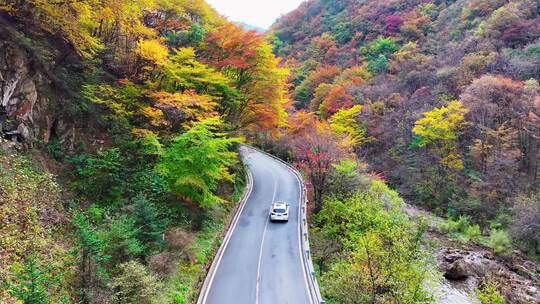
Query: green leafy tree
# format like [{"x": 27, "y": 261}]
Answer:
[
  {"x": 378, "y": 53},
  {"x": 345, "y": 179},
  {"x": 102, "y": 176},
  {"x": 197, "y": 161},
  {"x": 195, "y": 35},
  {"x": 344, "y": 123},
  {"x": 117, "y": 103},
  {"x": 343, "y": 32},
  {"x": 383, "y": 261},
  {"x": 185, "y": 72},
  {"x": 120, "y": 239},
  {"x": 378, "y": 64},
  {"x": 91, "y": 248}
]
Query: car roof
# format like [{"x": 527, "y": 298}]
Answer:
[{"x": 279, "y": 204}]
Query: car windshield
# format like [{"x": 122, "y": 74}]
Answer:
[{"x": 279, "y": 210}]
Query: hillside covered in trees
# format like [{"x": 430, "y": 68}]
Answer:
[
  {"x": 440, "y": 99},
  {"x": 443, "y": 95},
  {"x": 118, "y": 126}
]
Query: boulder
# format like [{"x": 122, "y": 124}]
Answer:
[
  {"x": 458, "y": 270},
  {"x": 24, "y": 132}
]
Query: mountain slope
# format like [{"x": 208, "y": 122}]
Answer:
[
  {"x": 403, "y": 60},
  {"x": 119, "y": 122},
  {"x": 440, "y": 98}
]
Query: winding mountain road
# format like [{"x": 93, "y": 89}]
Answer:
[{"x": 261, "y": 262}]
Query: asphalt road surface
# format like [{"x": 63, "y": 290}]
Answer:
[{"x": 262, "y": 261}]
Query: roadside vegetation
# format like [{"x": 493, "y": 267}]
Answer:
[
  {"x": 36, "y": 265},
  {"x": 369, "y": 251}
]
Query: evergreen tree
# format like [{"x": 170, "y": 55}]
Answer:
[
  {"x": 149, "y": 223},
  {"x": 30, "y": 283}
]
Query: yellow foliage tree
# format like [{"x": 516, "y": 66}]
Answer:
[
  {"x": 153, "y": 51},
  {"x": 193, "y": 107},
  {"x": 344, "y": 124},
  {"x": 440, "y": 129}
]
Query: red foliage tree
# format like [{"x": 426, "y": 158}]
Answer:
[
  {"x": 315, "y": 149},
  {"x": 521, "y": 32},
  {"x": 233, "y": 51},
  {"x": 393, "y": 23},
  {"x": 338, "y": 98}
]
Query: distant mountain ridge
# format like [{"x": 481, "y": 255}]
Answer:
[{"x": 250, "y": 27}]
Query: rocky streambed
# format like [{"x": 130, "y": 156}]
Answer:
[
  {"x": 464, "y": 266},
  {"x": 517, "y": 278}
]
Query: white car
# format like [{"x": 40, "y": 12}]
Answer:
[{"x": 279, "y": 212}]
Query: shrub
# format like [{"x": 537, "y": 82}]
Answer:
[
  {"x": 455, "y": 226},
  {"x": 134, "y": 285},
  {"x": 487, "y": 293},
  {"x": 462, "y": 229},
  {"x": 162, "y": 263},
  {"x": 499, "y": 241},
  {"x": 178, "y": 239},
  {"x": 54, "y": 148},
  {"x": 473, "y": 233}
]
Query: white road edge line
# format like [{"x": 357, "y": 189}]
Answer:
[
  {"x": 257, "y": 284},
  {"x": 228, "y": 237}
]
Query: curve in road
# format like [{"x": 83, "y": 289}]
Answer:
[{"x": 261, "y": 261}]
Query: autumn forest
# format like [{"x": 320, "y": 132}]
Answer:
[{"x": 120, "y": 123}]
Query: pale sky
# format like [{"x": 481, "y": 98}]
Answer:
[{"x": 261, "y": 13}]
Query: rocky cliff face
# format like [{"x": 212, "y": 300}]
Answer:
[{"x": 30, "y": 109}]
